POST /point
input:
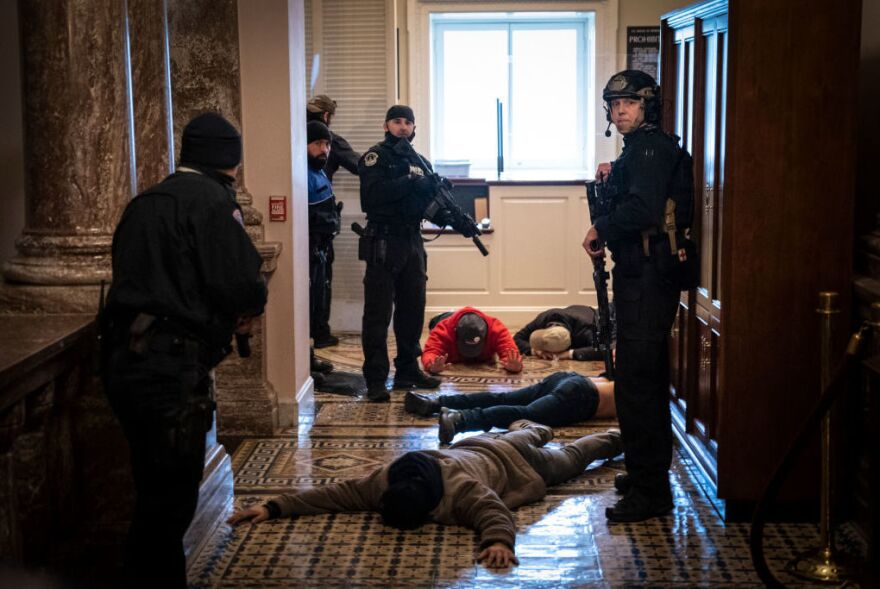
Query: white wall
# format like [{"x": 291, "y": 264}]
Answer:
[{"x": 273, "y": 99}]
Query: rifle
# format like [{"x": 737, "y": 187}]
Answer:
[
  {"x": 443, "y": 210},
  {"x": 601, "y": 204}
]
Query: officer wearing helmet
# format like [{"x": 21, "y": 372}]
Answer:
[
  {"x": 645, "y": 303},
  {"x": 323, "y": 108}
]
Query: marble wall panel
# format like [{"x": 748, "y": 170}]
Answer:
[{"x": 151, "y": 91}]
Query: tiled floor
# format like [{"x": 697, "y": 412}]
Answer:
[{"x": 563, "y": 541}]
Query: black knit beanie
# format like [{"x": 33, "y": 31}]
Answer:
[
  {"x": 210, "y": 140},
  {"x": 400, "y": 111},
  {"x": 316, "y": 130}
]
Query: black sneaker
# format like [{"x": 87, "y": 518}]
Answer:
[
  {"x": 416, "y": 380},
  {"x": 318, "y": 378},
  {"x": 319, "y": 365},
  {"x": 420, "y": 404},
  {"x": 638, "y": 507},
  {"x": 377, "y": 393},
  {"x": 326, "y": 341},
  {"x": 622, "y": 482},
  {"x": 448, "y": 421}
]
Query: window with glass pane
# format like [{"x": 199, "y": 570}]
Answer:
[{"x": 539, "y": 65}]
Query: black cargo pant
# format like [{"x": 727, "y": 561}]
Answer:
[
  {"x": 395, "y": 280},
  {"x": 162, "y": 396},
  {"x": 320, "y": 284},
  {"x": 646, "y": 307}
]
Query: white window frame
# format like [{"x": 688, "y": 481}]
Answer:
[
  {"x": 581, "y": 22},
  {"x": 605, "y": 62}
]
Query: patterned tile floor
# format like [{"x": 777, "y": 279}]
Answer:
[{"x": 563, "y": 541}]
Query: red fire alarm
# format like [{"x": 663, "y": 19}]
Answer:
[{"x": 278, "y": 208}]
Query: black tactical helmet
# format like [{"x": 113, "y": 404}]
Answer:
[{"x": 634, "y": 84}]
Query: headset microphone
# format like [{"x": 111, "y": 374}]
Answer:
[{"x": 608, "y": 130}]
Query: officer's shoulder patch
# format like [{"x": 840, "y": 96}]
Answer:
[
  {"x": 236, "y": 214},
  {"x": 371, "y": 158}
]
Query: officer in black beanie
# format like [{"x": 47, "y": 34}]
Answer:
[
  {"x": 395, "y": 190},
  {"x": 185, "y": 278}
]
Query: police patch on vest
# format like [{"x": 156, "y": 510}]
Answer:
[
  {"x": 236, "y": 214},
  {"x": 371, "y": 158},
  {"x": 416, "y": 171}
]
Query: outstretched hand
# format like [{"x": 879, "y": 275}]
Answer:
[
  {"x": 438, "y": 364},
  {"x": 254, "y": 515},
  {"x": 497, "y": 556},
  {"x": 513, "y": 362}
]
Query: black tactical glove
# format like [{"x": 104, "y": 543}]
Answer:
[{"x": 423, "y": 185}]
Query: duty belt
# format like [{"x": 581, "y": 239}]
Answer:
[{"x": 393, "y": 229}]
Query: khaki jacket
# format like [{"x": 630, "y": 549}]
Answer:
[{"x": 484, "y": 477}]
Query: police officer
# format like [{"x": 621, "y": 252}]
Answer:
[
  {"x": 323, "y": 227},
  {"x": 185, "y": 277},
  {"x": 323, "y": 108},
  {"x": 645, "y": 303},
  {"x": 395, "y": 190}
]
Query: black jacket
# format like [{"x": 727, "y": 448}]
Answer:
[
  {"x": 341, "y": 154},
  {"x": 180, "y": 251},
  {"x": 640, "y": 178},
  {"x": 581, "y": 321},
  {"x": 390, "y": 192}
]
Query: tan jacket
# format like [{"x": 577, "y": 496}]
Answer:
[{"x": 484, "y": 477}]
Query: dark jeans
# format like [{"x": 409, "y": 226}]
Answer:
[
  {"x": 557, "y": 465},
  {"x": 560, "y": 399},
  {"x": 320, "y": 287},
  {"x": 162, "y": 397},
  {"x": 646, "y": 307},
  {"x": 398, "y": 283}
]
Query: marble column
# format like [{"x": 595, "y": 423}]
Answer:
[
  {"x": 97, "y": 122},
  {"x": 204, "y": 54},
  {"x": 150, "y": 77},
  {"x": 77, "y": 139}
]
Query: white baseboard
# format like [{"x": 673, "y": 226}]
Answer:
[{"x": 288, "y": 411}]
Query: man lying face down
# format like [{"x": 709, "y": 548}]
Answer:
[{"x": 474, "y": 483}]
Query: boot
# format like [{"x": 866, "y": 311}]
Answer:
[
  {"x": 451, "y": 422},
  {"x": 377, "y": 393},
  {"x": 326, "y": 341},
  {"x": 420, "y": 404},
  {"x": 320, "y": 365},
  {"x": 637, "y": 506},
  {"x": 415, "y": 380},
  {"x": 622, "y": 482}
]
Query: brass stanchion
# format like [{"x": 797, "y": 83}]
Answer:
[{"x": 824, "y": 563}]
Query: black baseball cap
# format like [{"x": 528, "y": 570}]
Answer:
[{"x": 470, "y": 335}]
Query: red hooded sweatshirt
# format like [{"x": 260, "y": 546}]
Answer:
[{"x": 442, "y": 340}]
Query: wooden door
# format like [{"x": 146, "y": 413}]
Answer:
[{"x": 694, "y": 87}]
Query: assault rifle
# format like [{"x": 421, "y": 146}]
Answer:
[
  {"x": 443, "y": 210},
  {"x": 601, "y": 204}
]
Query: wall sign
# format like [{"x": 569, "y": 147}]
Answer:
[
  {"x": 643, "y": 49},
  {"x": 278, "y": 208}
]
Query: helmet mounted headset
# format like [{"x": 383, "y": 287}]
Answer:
[{"x": 637, "y": 85}]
